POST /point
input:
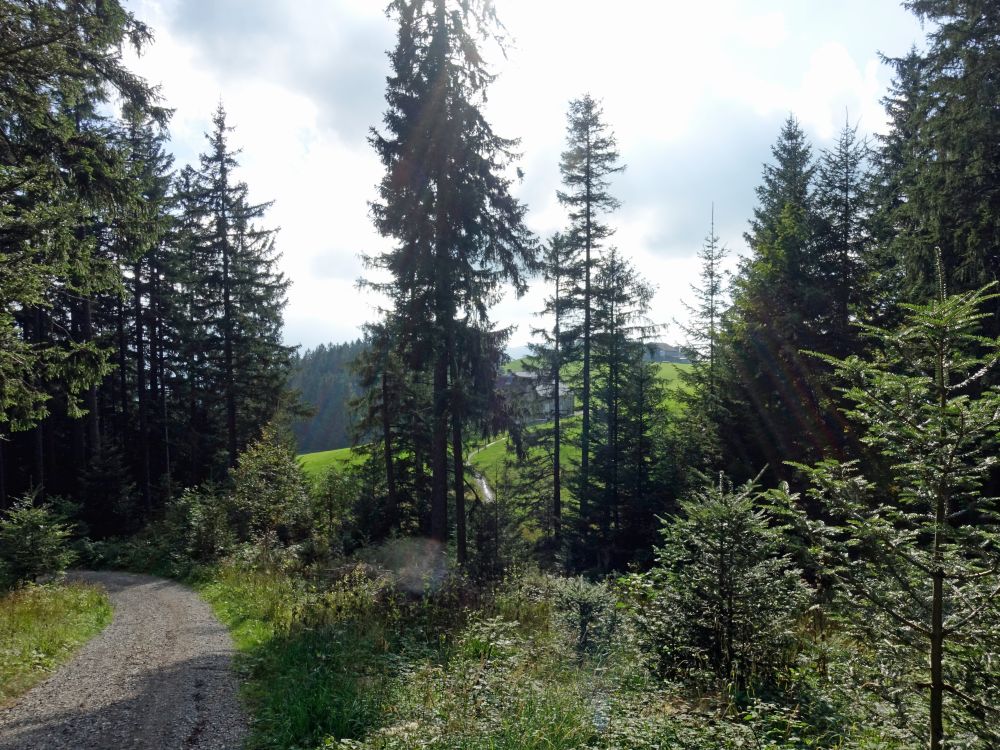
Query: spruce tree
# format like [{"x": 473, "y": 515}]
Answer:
[
  {"x": 725, "y": 595},
  {"x": 703, "y": 332},
  {"x": 951, "y": 177},
  {"x": 553, "y": 352},
  {"x": 842, "y": 210},
  {"x": 60, "y": 180},
  {"x": 140, "y": 235},
  {"x": 244, "y": 297},
  {"x": 445, "y": 200},
  {"x": 892, "y": 223},
  {"x": 626, "y": 403},
  {"x": 915, "y": 552},
  {"x": 775, "y": 403},
  {"x": 590, "y": 159}
]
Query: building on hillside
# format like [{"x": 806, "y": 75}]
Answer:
[
  {"x": 660, "y": 352},
  {"x": 534, "y": 398}
]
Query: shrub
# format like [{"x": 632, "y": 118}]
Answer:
[
  {"x": 33, "y": 542},
  {"x": 588, "y": 610},
  {"x": 270, "y": 492},
  {"x": 197, "y": 524},
  {"x": 722, "y": 598}
]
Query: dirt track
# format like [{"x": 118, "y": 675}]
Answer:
[{"x": 159, "y": 677}]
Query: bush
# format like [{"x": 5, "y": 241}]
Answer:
[
  {"x": 270, "y": 492},
  {"x": 33, "y": 542},
  {"x": 723, "y": 599},
  {"x": 197, "y": 524},
  {"x": 588, "y": 610}
]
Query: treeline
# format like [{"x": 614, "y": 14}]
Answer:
[
  {"x": 324, "y": 380},
  {"x": 141, "y": 305},
  {"x": 838, "y": 237}
]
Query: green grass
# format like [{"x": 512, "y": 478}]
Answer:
[
  {"x": 41, "y": 627},
  {"x": 670, "y": 372},
  {"x": 309, "y": 672},
  {"x": 356, "y": 665},
  {"x": 317, "y": 464},
  {"x": 490, "y": 459}
]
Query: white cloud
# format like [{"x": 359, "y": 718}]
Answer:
[
  {"x": 694, "y": 91},
  {"x": 766, "y": 31}
]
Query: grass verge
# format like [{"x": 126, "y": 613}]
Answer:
[
  {"x": 536, "y": 663},
  {"x": 353, "y": 665},
  {"x": 41, "y": 626},
  {"x": 309, "y": 670}
]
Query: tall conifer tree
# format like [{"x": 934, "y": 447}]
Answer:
[
  {"x": 554, "y": 351},
  {"x": 842, "y": 210},
  {"x": 626, "y": 402},
  {"x": 446, "y": 201},
  {"x": 779, "y": 300},
  {"x": 703, "y": 347},
  {"x": 58, "y": 180},
  {"x": 246, "y": 295},
  {"x": 590, "y": 159},
  {"x": 949, "y": 124}
]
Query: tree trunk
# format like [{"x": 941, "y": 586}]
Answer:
[
  {"x": 456, "y": 454},
  {"x": 439, "y": 451},
  {"x": 38, "y": 456},
  {"x": 3, "y": 474},
  {"x": 90, "y": 400},
  {"x": 459, "y": 469},
  {"x": 556, "y": 439},
  {"x": 140, "y": 387},
  {"x": 123, "y": 405},
  {"x": 38, "y": 452},
  {"x": 390, "y": 473},
  {"x": 230, "y": 377},
  {"x": 222, "y": 236},
  {"x": 160, "y": 373},
  {"x": 936, "y": 662},
  {"x": 585, "y": 434},
  {"x": 937, "y": 596}
]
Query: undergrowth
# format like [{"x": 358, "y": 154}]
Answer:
[
  {"x": 41, "y": 626},
  {"x": 352, "y": 663}
]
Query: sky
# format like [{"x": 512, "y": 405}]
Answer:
[{"x": 695, "y": 93}]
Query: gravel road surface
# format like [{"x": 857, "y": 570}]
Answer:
[{"x": 158, "y": 678}]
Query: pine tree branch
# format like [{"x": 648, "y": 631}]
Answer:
[{"x": 974, "y": 613}]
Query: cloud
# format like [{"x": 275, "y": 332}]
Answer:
[
  {"x": 331, "y": 52},
  {"x": 695, "y": 92}
]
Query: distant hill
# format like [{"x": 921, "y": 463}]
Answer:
[{"x": 326, "y": 384}]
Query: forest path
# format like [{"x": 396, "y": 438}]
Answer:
[
  {"x": 158, "y": 677},
  {"x": 488, "y": 495}
]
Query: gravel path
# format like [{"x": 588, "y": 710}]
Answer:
[{"x": 157, "y": 678}]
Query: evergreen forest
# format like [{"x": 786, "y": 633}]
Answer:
[{"x": 790, "y": 541}]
